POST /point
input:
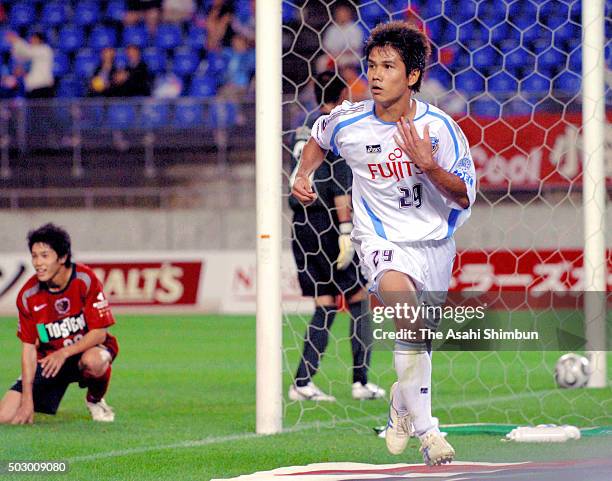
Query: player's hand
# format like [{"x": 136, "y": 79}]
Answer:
[
  {"x": 347, "y": 251},
  {"x": 302, "y": 190},
  {"x": 418, "y": 149},
  {"x": 25, "y": 413},
  {"x": 52, "y": 363}
]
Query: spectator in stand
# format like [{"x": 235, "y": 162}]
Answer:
[
  {"x": 148, "y": 11},
  {"x": 357, "y": 86},
  {"x": 239, "y": 72},
  {"x": 11, "y": 83},
  {"x": 342, "y": 40},
  {"x": 134, "y": 80},
  {"x": 39, "y": 82},
  {"x": 177, "y": 11},
  {"x": 246, "y": 28},
  {"x": 218, "y": 24},
  {"x": 102, "y": 81}
]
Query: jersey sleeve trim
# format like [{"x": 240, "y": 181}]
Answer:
[
  {"x": 424, "y": 113},
  {"x": 451, "y": 130},
  {"x": 27, "y": 294},
  {"x": 343, "y": 124},
  {"x": 85, "y": 278},
  {"x": 378, "y": 225}
]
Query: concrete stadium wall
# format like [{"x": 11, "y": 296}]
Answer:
[{"x": 504, "y": 225}]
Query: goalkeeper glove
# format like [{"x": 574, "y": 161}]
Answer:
[{"x": 347, "y": 251}]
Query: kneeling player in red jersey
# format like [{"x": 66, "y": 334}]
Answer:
[{"x": 63, "y": 323}]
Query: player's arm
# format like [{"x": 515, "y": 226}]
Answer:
[
  {"x": 312, "y": 158},
  {"x": 52, "y": 363},
  {"x": 342, "y": 203},
  {"x": 419, "y": 150},
  {"x": 25, "y": 413}
]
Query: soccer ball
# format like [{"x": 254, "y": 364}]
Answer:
[{"x": 572, "y": 371}]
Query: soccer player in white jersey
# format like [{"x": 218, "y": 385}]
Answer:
[{"x": 413, "y": 185}]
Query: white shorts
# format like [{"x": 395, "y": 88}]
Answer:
[{"x": 428, "y": 263}]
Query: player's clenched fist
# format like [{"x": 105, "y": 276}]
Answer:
[{"x": 302, "y": 190}]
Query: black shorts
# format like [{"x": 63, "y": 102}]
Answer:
[
  {"x": 48, "y": 392},
  {"x": 315, "y": 249},
  {"x": 142, "y": 5}
]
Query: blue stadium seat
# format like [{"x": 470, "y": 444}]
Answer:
[
  {"x": 53, "y": 14},
  {"x": 115, "y": 10},
  {"x": 22, "y": 15},
  {"x": 517, "y": 107},
  {"x": 502, "y": 85},
  {"x": 441, "y": 74},
  {"x": 470, "y": 82},
  {"x": 69, "y": 87},
  {"x": 86, "y": 13},
  {"x": 459, "y": 11},
  {"x": 92, "y": 115},
  {"x": 155, "y": 60},
  {"x": 372, "y": 14},
  {"x": 85, "y": 62},
  {"x": 461, "y": 58},
  {"x": 505, "y": 37},
  {"x": 120, "y": 116},
  {"x": 537, "y": 38},
  {"x": 168, "y": 36},
  {"x": 519, "y": 61},
  {"x": 567, "y": 37},
  {"x": 70, "y": 39},
  {"x": 243, "y": 10},
  {"x": 535, "y": 87},
  {"x": 102, "y": 37},
  {"x": 204, "y": 86},
  {"x": 487, "y": 60},
  {"x": 135, "y": 35},
  {"x": 222, "y": 115},
  {"x": 567, "y": 84},
  {"x": 155, "y": 114},
  {"x": 430, "y": 9},
  {"x": 553, "y": 14},
  {"x": 290, "y": 12},
  {"x": 186, "y": 62},
  {"x": 196, "y": 38},
  {"x": 485, "y": 107},
  {"x": 551, "y": 61},
  {"x": 522, "y": 14},
  {"x": 575, "y": 61},
  {"x": 216, "y": 63},
  {"x": 188, "y": 114},
  {"x": 492, "y": 12},
  {"x": 61, "y": 64},
  {"x": 473, "y": 35},
  {"x": 442, "y": 31}
]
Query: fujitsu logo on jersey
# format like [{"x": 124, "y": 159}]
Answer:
[
  {"x": 394, "y": 167},
  {"x": 66, "y": 327}
]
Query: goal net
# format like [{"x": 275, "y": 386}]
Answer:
[{"x": 510, "y": 75}]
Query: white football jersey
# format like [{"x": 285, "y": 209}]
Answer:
[{"x": 392, "y": 198}]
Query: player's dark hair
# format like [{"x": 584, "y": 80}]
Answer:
[
  {"x": 56, "y": 237},
  {"x": 328, "y": 87},
  {"x": 411, "y": 44},
  {"x": 40, "y": 35}
]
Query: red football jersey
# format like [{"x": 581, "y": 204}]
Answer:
[{"x": 53, "y": 320}]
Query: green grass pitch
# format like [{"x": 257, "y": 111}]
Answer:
[{"x": 183, "y": 389}]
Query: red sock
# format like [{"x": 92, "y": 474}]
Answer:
[{"x": 97, "y": 386}]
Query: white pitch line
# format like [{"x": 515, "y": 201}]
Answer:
[{"x": 302, "y": 427}]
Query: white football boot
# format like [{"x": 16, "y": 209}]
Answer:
[
  {"x": 435, "y": 449},
  {"x": 399, "y": 428},
  {"x": 310, "y": 392},
  {"x": 101, "y": 411},
  {"x": 367, "y": 391}
]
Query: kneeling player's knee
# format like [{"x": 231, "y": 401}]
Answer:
[{"x": 94, "y": 363}]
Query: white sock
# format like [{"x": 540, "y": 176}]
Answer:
[{"x": 413, "y": 370}]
